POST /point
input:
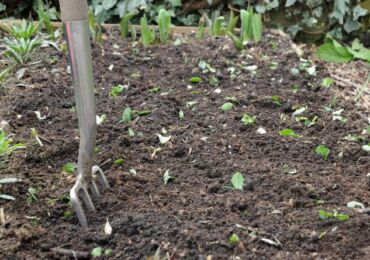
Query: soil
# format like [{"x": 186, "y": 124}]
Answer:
[{"x": 193, "y": 216}]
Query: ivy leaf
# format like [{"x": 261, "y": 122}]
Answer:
[
  {"x": 351, "y": 26},
  {"x": 108, "y": 4},
  {"x": 290, "y": 3},
  {"x": 358, "y": 11}
]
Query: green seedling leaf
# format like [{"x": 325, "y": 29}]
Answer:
[
  {"x": 69, "y": 167},
  {"x": 97, "y": 251},
  {"x": 191, "y": 104},
  {"x": 131, "y": 132},
  {"x": 118, "y": 162},
  {"x": 167, "y": 177},
  {"x": 234, "y": 239},
  {"x": 164, "y": 24},
  {"x": 147, "y": 35},
  {"x": 127, "y": 117},
  {"x": 237, "y": 181},
  {"x": 327, "y": 82},
  {"x": 257, "y": 27},
  {"x": 341, "y": 217},
  {"x": 227, "y": 106},
  {"x": 68, "y": 214},
  {"x": 116, "y": 90},
  {"x": 289, "y": 133},
  {"x": 163, "y": 139},
  {"x": 155, "y": 90},
  {"x": 323, "y": 151},
  {"x": 108, "y": 252},
  {"x": 181, "y": 115},
  {"x": 144, "y": 113},
  {"x": 101, "y": 119},
  {"x": 276, "y": 100},
  {"x": 195, "y": 79},
  {"x": 248, "y": 120},
  {"x": 325, "y": 215}
]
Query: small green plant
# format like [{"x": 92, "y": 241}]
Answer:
[
  {"x": 95, "y": 28},
  {"x": 69, "y": 168},
  {"x": 237, "y": 181},
  {"x": 147, "y": 34},
  {"x": 164, "y": 24},
  {"x": 99, "y": 251},
  {"x": 227, "y": 106},
  {"x": 327, "y": 82},
  {"x": 116, "y": 90},
  {"x": 181, "y": 115},
  {"x": 200, "y": 31},
  {"x": 276, "y": 100},
  {"x": 167, "y": 177},
  {"x": 248, "y": 120},
  {"x": 327, "y": 215},
  {"x": 127, "y": 115},
  {"x": 45, "y": 18},
  {"x": 125, "y": 24},
  {"x": 7, "y": 181},
  {"x": 234, "y": 239},
  {"x": 19, "y": 51},
  {"x": 233, "y": 20},
  {"x": 323, "y": 151},
  {"x": 6, "y": 147},
  {"x": 195, "y": 79},
  {"x": 23, "y": 30},
  {"x": 32, "y": 195},
  {"x": 289, "y": 133},
  {"x": 118, "y": 162}
]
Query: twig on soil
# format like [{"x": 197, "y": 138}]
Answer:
[{"x": 70, "y": 252}]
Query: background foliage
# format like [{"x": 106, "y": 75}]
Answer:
[{"x": 305, "y": 19}]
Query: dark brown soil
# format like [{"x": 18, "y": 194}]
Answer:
[{"x": 194, "y": 216}]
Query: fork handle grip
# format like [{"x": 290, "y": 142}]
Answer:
[{"x": 73, "y": 10}]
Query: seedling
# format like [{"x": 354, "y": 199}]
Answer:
[
  {"x": 337, "y": 115},
  {"x": 131, "y": 132},
  {"x": 327, "y": 82},
  {"x": 23, "y": 30},
  {"x": 233, "y": 20},
  {"x": 127, "y": 116},
  {"x": 147, "y": 35},
  {"x": 101, "y": 119},
  {"x": 237, "y": 181},
  {"x": 95, "y": 28},
  {"x": 164, "y": 24},
  {"x": 7, "y": 181},
  {"x": 289, "y": 133},
  {"x": 35, "y": 134},
  {"x": 248, "y": 120},
  {"x": 191, "y": 104},
  {"x": 19, "y": 51},
  {"x": 167, "y": 177},
  {"x": 227, "y": 106},
  {"x": 125, "y": 24},
  {"x": 195, "y": 79},
  {"x": 181, "y": 115},
  {"x": 6, "y": 147},
  {"x": 276, "y": 100},
  {"x": 69, "y": 168},
  {"x": 327, "y": 215},
  {"x": 234, "y": 239},
  {"x": 323, "y": 151},
  {"x": 99, "y": 251},
  {"x": 155, "y": 90},
  {"x": 32, "y": 192},
  {"x": 116, "y": 90},
  {"x": 45, "y": 17},
  {"x": 200, "y": 31},
  {"x": 118, "y": 162}
]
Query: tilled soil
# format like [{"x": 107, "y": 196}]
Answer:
[{"x": 192, "y": 217}]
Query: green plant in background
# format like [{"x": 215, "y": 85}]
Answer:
[
  {"x": 23, "y": 30},
  {"x": 164, "y": 23},
  {"x": 125, "y": 24},
  {"x": 6, "y": 147},
  {"x": 233, "y": 20},
  {"x": 19, "y": 51},
  {"x": 323, "y": 151},
  {"x": 7, "y": 181},
  {"x": 200, "y": 31},
  {"x": 46, "y": 15},
  {"x": 147, "y": 34},
  {"x": 95, "y": 28}
]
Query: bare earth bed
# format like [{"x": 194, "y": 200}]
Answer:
[{"x": 192, "y": 217}]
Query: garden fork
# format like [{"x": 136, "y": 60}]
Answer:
[{"x": 75, "y": 19}]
